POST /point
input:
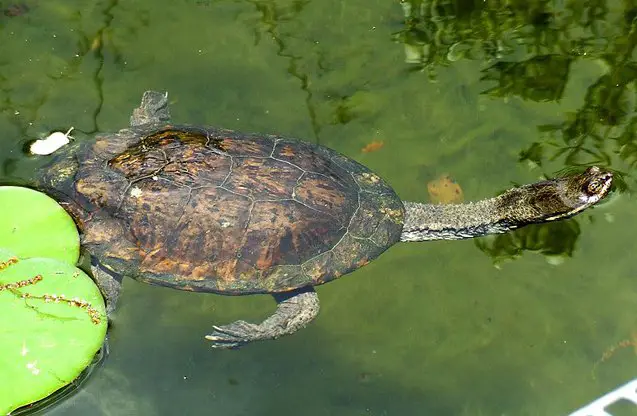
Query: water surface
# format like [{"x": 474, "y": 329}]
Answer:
[{"x": 491, "y": 94}]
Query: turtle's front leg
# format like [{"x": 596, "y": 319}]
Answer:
[
  {"x": 109, "y": 284},
  {"x": 294, "y": 311}
]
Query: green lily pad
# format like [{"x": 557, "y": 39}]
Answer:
[
  {"x": 53, "y": 324},
  {"x": 33, "y": 225}
]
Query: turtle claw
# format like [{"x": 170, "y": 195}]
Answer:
[{"x": 233, "y": 335}]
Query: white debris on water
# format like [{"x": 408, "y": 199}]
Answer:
[{"x": 51, "y": 143}]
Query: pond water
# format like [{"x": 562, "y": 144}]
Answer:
[{"x": 490, "y": 93}]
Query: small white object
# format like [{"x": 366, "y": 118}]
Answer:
[
  {"x": 51, "y": 143},
  {"x": 33, "y": 368},
  {"x": 135, "y": 192},
  {"x": 626, "y": 392}
]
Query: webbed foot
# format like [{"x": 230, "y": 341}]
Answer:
[
  {"x": 294, "y": 311},
  {"x": 233, "y": 335}
]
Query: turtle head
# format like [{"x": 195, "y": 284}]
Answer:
[
  {"x": 589, "y": 187},
  {"x": 558, "y": 198},
  {"x": 580, "y": 191}
]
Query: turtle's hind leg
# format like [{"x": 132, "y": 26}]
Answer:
[
  {"x": 109, "y": 284},
  {"x": 294, "y": 311}
]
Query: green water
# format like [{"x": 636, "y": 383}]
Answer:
[{"x": 494, "y": 93}]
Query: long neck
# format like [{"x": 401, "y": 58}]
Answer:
[
  {"x": 512, "y": 209},
  {"x": 451, "y": 222}
]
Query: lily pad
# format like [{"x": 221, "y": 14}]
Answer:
[
  {"x": 34, "y": 225},
  {"x": 54, "y": 323}
]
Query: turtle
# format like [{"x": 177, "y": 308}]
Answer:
[{"x": 208, "y": 209}]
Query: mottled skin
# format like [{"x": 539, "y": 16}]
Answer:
[
  {"x": 543, "y": 201},
  {"x": 213, "y": 210}
]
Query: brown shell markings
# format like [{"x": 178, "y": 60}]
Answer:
[{"x": 212, "y": 211}]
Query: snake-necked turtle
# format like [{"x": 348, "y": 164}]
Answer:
[{"x": 212, "y": 210}]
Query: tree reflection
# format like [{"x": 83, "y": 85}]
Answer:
[
  {"x": 540, "y": 78},
  {"x": 528, "y": 48},
  {"x": 272, "y": 14},
  {"x": 555, "y": 240}
]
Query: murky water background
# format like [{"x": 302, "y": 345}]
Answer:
[{"x": 492, "y": 93}]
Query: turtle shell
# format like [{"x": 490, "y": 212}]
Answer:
[{"x": 217, "y": 211}]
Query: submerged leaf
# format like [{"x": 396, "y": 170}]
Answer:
[
  {"x": 444, "y": 190},
  {"x": 372, "y": 146}
]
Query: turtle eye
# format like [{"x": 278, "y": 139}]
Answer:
[
  {"x": 597, "y": 185},
  {"x": 593, "y": 187}
]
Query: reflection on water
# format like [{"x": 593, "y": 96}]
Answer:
[
  {"x": 528, "y": 49},
  {"x": 490, "y": 92}
]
